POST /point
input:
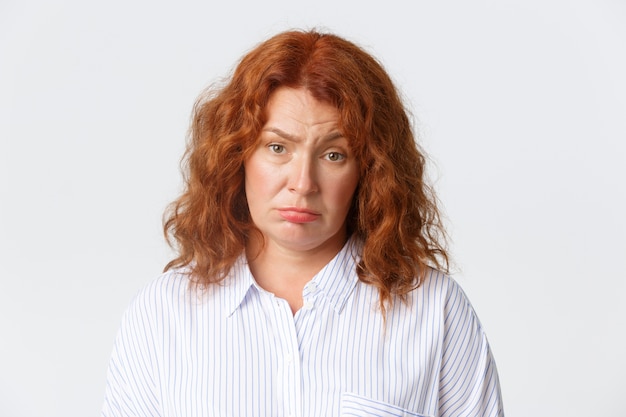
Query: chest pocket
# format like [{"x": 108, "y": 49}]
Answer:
[{"x": 356, "y": 406}]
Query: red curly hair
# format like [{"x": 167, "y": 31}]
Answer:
[{"x": 394, "y": 211}]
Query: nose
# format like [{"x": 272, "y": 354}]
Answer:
[{"x": 302, "y": 176}]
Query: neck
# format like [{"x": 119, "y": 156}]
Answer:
[{"x": 285, "y": 272}]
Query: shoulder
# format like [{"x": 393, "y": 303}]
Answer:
[
  {"x": 167, "y": 286},
  {"x": 441, "y": 295},
  {"x": 167, "y": 291},
  {"x": 439, "y": 287}
]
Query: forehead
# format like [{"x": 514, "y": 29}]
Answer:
[{"x": 299, "y": 103}]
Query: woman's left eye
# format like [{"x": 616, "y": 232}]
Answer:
[
  {"x": 334, "y": 156},
  {"x": 276, "y": 148}
]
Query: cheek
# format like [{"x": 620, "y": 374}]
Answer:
[
  {"x": 343, "y": 192},
  {"x": 251, "y": 179},
  {"x": 260, "y": 181}
]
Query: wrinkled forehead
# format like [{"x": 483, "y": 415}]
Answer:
[{"x": 348, "y": 120}]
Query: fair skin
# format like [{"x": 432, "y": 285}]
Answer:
[{"x": 299, "y": 182}]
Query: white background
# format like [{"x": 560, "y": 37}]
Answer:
[{"x": 521, "y": 105}]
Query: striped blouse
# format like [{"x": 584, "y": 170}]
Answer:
[{"x": 237, "y": 350}]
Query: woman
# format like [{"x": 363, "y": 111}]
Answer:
[{"x": 308, "y": 280}]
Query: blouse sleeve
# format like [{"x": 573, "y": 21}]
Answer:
[
  {"x": 131, "y": 385},
  {"x": 469, "y": 384}
]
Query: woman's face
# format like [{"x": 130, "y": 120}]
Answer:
[{"x": 301, "y": 178}]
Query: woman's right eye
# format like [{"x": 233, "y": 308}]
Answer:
[{"x": 276, "y": 148}]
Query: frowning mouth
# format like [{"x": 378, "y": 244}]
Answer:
[{"x": 298, "y": 215}]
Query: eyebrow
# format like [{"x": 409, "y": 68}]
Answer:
[{"x": 293, "y": 138}]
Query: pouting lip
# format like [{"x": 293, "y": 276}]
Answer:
[{"x": 299, "y": 210}]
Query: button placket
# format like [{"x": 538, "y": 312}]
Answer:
[{"x": 289, "y": 372}]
